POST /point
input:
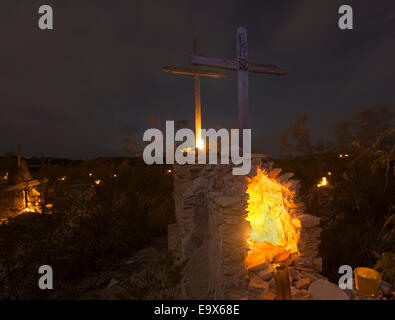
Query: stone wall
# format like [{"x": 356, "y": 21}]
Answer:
[{"x": 212, "y": 231}]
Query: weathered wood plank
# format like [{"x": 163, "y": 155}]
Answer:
[
  {"x": 23, "y": 185},
  {"x": 234, "y": 65},
  {"x": 193, "y": 71},
  {"x": 241, "y": 42},
  {"x": 266, "y": 68},
  {"x": 242, "y": 97},
  {"x": 215, "y": 62},
  {"x": 198, "y": 112},
  {"x": 242, "y": 81}
]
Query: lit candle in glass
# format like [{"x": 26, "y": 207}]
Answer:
[{"x": 281, "y": 277}]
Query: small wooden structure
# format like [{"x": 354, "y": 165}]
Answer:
[{"x": 17, "y": 188}]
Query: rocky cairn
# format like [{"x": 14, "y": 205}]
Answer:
[
  {"x": 212, "y": 231},
  {"x": 304, "y": 267}
]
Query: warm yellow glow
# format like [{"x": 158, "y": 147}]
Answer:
[
  {"x": 31, "y": 201},
  {"x": 97, "y": 181},
  {"x": 198, "y": 129},
  {"x": 200, "y": 144},
  {"x": 168, "y": 170},
  {"x": 115, "y": 175},
  {"x": 62, "y": 178},
  {"x": 90, "y": 174},
  {"x": 186, "y": 150},
  {"x": 323, "y": 182},
  {"x": 329, "y": 173},
  {"x": 273, "y": 230},
  {"x": 340, "y": 156}
]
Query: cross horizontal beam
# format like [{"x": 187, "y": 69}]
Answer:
[
  {"x": 231, "y": 64},
  {"x": 195, "y": 71},
  {"x": 24, "y": 185}
]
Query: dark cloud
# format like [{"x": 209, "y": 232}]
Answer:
[{"x": 80, "y": 90}]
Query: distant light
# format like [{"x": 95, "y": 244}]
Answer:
[
  {"x": 168, "y": 170},
  {"x": 322, "y": 183},
  {"x": 346, "y": 155},
  {"x": 115, "y": 175},
  {"x": 97, "y": 181},
  {"x": 340, "y": 156},
  {"x": 62, "y": 178},
  {"x": 90, "y": 174},
  {"x": 329, "y": 173},
  {"x": 49, "y": 205},
  {"x": 186, "y": 150}
]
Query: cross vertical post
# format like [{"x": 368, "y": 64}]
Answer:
[
  {"x": 242, "y": 66},
  {"x": 198, "y": 112},
  {"x": 242, "y": 82}
]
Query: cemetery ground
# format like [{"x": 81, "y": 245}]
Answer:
[{"x": 105, "y": 230}]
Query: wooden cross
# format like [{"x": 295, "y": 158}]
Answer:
[
  {"x": 243, "y": 66},
  {"x": 196, "y": 73}
]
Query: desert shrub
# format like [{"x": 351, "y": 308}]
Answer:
[
  {"x": 94, "y": 221},
  {"x": 386, "y": 255},
  {"x": 386, "y": 264},
  {"x": 25, "y": 245},
  {"x": 355, "y": 208},
  {"x": 161, "y": 280}
]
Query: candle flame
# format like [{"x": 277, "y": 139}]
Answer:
[
  {"x": 322, "y": 183},
  {"x": 200, "y": 144}
]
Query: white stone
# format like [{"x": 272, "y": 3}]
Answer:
[
  {"x": 285, "y": 176},
  {"x": 266, "y": 274},
  {"x": 258, "y": 283},
  {"x": 308, "y": 220},
  {"x": 317, "y": 264},
  {"x": 226, "y": 201},
  {"x": 299, "y": 294},
  {"x": 325, "y": 290},
  {"x": 259, "y": 267},
  {"x": 113, "y": 282},
  {"x": 273, "y": 174},
  {"x": 267, "y": 295},
  {"x": 312, "y": 275},
  {"x": 272, "y": 283},
  {"x": 386, "y": 287},
  {"x": 281, "y": 256},
  {"x": 295, "y": 274},
  {"x": 303, "y": 262},
  {"x": 302, "y": 283}
]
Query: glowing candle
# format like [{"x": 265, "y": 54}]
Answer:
[{"x": 281, "y": 277}]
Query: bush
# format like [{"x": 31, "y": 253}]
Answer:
[
  {"x": 160, "y": 281},
  {"x": 94, "y": 221},
  {"x": 386, "y": 265},
  {"x": 355, "y": 208}
]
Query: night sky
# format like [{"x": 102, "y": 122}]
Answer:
[{"x": 80, "y": 90}]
